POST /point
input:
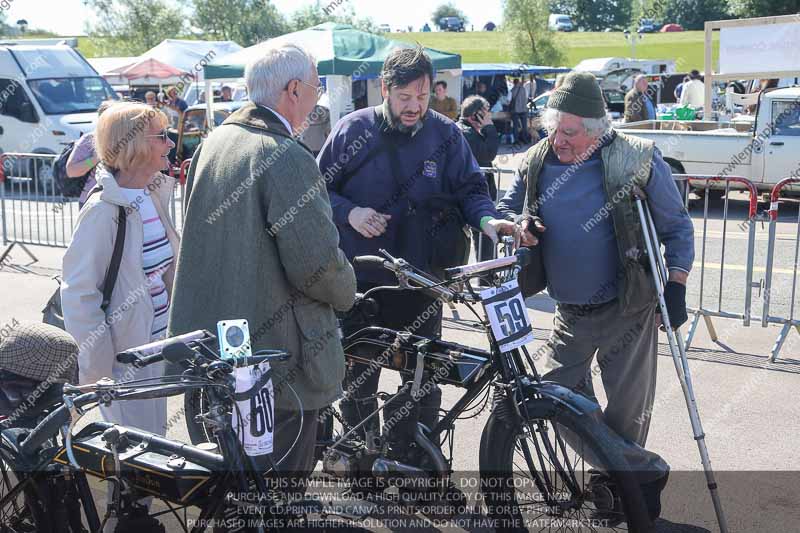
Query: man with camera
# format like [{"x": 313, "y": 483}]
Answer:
[
  {"x": 481, "y": 135},
  {"x": 402, "y": 178}
]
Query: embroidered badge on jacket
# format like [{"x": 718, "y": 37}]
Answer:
[{"x": 429, "y": 169}]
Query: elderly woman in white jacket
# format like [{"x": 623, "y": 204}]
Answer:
[{"x": 132, "y": 144}]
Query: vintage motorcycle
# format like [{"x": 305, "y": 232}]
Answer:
[{"x": 533, "y": 471}]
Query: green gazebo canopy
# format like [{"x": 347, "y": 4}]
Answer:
[{"x": 339, "y": 49}]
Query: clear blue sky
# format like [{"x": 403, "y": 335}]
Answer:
[{"x": 67, "y": 17}]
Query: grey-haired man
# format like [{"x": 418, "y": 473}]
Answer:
[
  {"x": 579, "y": 203},
  {"x": 246, "y": 250}
]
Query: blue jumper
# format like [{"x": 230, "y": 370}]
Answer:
[
  {"x": 359, "y": 172},
  {"x": 673, "y": 224}
]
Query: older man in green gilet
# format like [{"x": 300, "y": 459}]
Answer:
[{"x": 580, "y": 206}]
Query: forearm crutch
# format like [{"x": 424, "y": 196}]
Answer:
[{"x": 676, "y": 347}]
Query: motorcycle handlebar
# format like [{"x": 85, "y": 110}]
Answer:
[{"x": 48, "y": 428}]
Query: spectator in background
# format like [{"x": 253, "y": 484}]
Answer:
[
  {"x": 489, "y": 94},
  {"x": 693, "y": 92},
  {"x": 442, "y": 103},
  {"x": 765, "y": 84},
  {"x": 150, "y": 99},
  {"x": 83, "y": 158},
  {"x": 638, "y": 105},
  {"x": 679, "y": 88},
  {"x": 482, "y": 137},
  {"x": 226, "y": 94},
  {"x": 174, "y": 101},
  {"x": 519, "y": 112},
  {"x": 530, "y": 87}
]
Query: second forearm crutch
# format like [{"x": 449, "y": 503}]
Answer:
[{"x": 676, "y": 347}]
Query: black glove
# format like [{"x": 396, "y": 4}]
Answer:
[{"x": 675, "y": 298}]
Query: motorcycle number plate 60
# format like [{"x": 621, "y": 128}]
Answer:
[
  {"x": 255, "y": 428},
  {"x": 507, "y": 315}
]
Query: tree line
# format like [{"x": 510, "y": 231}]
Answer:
[
  {"x": 130, "y": 27},
  {"x": 525, "y": 21}
]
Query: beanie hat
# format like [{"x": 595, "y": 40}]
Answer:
[{"x": 579, "y": 94}]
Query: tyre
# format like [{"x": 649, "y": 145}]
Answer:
[
  {"x": 41, "y": 174},
  {"x": 715, "y": 196},
  {"x": 195, "y": 402},
  {"x": 20, "y": 508},
  {"x": 681, "y": 185},
  {"x": 553, "y": 488}
]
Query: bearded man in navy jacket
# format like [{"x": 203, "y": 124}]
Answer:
[{"x": 382, "y": 166}]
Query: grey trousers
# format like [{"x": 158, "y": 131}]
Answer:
[{"x": 625, "y": 349}]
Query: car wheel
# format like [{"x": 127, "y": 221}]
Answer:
[{"x": 42, "y": 172}]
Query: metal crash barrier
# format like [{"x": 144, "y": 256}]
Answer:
[
  {"x": 177, "y": 207},
  {"x": 32, "y": 211},
  {"x": 766, "y": 316},
  {"x": 729, "y": 304}
]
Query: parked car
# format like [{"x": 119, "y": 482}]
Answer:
[
  {"x": 538, "y": 104},
  {"x": 560, "y": 22},
  {"x": 193, "y": 127},
  {"x": 451, "y": 24},
  {"x": 671, "y": 27},
  {"x": 647, "y": 26},
  {"x": 384, "y": 28}
]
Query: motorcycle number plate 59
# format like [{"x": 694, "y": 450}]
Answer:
[
  {"x": 507, "y": 315},
  {"x": 255, "y": 428}
]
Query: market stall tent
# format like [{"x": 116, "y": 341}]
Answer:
[
  {"x": 343, "y": 54},
  {"x": 107, "y": 67},
  {"x": 150, "y": 72},
  {"x": 191, "y": 56}
]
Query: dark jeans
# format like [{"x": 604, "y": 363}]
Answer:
[
  {"x": 519, "y": 122},
  {"x": 399, "y": 310},
  {"x": 487, "y": 249},
  {"x": 299, "y": 463}
]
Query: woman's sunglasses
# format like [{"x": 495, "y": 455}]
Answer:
[{"x": 162, "y": 135}]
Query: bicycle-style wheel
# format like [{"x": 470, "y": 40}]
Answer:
[
  {"x": 20, "y": 508},
  {"x": 534, "y": 476}
]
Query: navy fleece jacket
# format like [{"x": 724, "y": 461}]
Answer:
[{"x": 436, "y": 159}]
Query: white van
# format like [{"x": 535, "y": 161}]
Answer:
[
  {"x": 49, "y": 96},
  {"x": 558, "y": 22}
]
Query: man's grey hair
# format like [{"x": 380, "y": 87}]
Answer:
[
  {"x": 268, "y": 76},
  {"x": 595, "y": 127}
]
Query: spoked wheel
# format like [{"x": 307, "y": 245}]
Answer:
[
  {"x": 196, "y": 402},
  {"x": 16, "y": 514},
  {"x": 537, "y": 476}
]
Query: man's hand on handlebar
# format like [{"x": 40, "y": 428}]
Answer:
[
  {"x": 529, "y": 226},
  {"x": 495, "y": 227}
]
